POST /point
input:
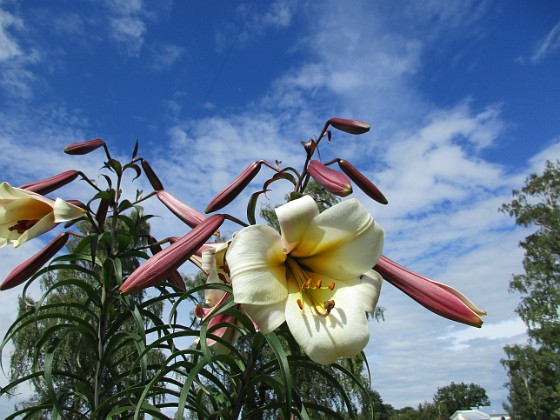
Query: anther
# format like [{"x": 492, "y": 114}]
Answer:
[
  {"x": 22, "y": 225},
  {"x": 300, "y": 304},
  {"x": 331, "y": 286},
  {"x": 319, "y": 283}
]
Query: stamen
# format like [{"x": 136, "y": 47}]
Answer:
[
  {"x": 307, "y": 285},
  {"x": 22, "y": 225}
]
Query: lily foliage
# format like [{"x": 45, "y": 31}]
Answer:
[{"x": 280, "y": 315}]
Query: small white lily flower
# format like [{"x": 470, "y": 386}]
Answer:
[
  {"x": 25, "y": 214},
  {"x": 316, "y": 275}
]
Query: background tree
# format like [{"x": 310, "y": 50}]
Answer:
[
  {"x": 534, "y": 368},
  {"x": 461, "y": 396}
]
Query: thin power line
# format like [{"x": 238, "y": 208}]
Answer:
[{"x": 224, "y": 61}]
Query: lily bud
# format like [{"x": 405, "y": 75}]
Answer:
[
  {"x": 174, "y": 278},
  {"x": 101, "y": 213},
  {"x": 333, "y": 181},
  {"x": 228, "y": 194},
  {"x": 187, "y": 214},
  {"x": 349, "y": 126},
  {"x": 151, "y": 175},
  {"x": 83, "y": 147},
  {"x": 51, "y": 184},
  {"x": 26, "y": 269},
  {"x": 227, "y": 333},
  {"x": 437, "y": 297},
  {"x": 161, "y": 265},
  {"x": 362, "y": 182}
]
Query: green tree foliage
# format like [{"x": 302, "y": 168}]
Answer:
[
  {"x": 534, "y": 368},
  {"x": 461, "y": 396}
]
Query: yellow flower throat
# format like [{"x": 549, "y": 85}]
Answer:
[{"x": 307, "y": 286}]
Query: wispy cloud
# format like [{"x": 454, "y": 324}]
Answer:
[
  {"x": 253, "y": 21},
  {"x": 128, "y": 22},
  {"x": 16, "y": 78},
  {"x": 164, "y": 56},
  {"x": 9, "y": 47},
  {"x": 547, "y": 46},
  {"x": 509, "y": 328}
]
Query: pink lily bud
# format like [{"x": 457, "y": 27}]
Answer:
[
  {"x": 362, "y": 182},
  {"x": 161, "y": 265},
  {"x": 26, "y": 269},
  {"x": 175, "y": 278},
  {"x": 83, "y": 147},
  {"x": 349, "y": 126},
  {"x": 48, "y": 185},
  {"x": 187, "y": 214},
  {"x": 151, "y": 175},
  {"x": 229, "y": 334},
  {"x": 333, "y": 181},
  {"x": 101, "y": 213},
  {"x": 228, "y": 194},
  {"x": 437, "y": 297}
]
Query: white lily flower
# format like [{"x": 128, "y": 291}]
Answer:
[
  {"x": 25, "y": 214},
  {"x": 316, "y": 275}
]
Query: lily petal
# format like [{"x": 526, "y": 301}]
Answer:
[
  {"x": 255, "y": 259},
  {"x": 343, "y": 333},
  {"x": 341, "y": 242},
  {"x": 294, "y": 218},
  {"x": 267, "y": 317},
  {"x": 64, "y": 211}
]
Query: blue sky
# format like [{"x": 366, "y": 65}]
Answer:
[{"x": 463, "y": 98}]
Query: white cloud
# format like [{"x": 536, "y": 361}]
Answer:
[
  {"x": 548, "y": 45},
  {"x": 129, "y": 31},
  {"x": 9, "y": 47},
  {"x": 164, "y": 56},
  {"x": 253, "y": 21},
  {"x": 510, "y": 329},
  {"x": 15, "y": 77}
]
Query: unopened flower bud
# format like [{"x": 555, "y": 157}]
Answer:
[
  {"x": 51, "y": 184},
  {"x": 437, "y": 297},
  {"x": 228, "y": 194},
  {"x": 175, "y": 277},
  {"x": 349, "y": 126},
  {"x": 333, "y": 181},
  {"x": 362, "y": 182},
  {"x": 161, "y": 265},
  {"x": 187, "y": 214},
  {"x": 101, "y": 213},
  {"x": 83, "y": 147},
  {"x": 26, "y": 269},
  {"x": 151, "y": 175}
]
